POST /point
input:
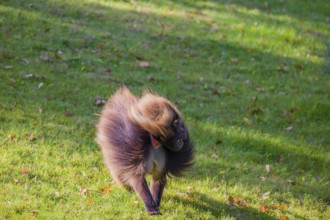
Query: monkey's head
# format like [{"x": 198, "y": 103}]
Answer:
[
  {"x": 176, "y": 134},
  {"x": 161, "y": 120}
]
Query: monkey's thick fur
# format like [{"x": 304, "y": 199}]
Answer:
[{"x": 144, "y": 136}]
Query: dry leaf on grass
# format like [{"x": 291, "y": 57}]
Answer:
[
  {"x": 214, "y": 156},
  {"x": 83, "y": 192},
  {"x": 89, "y": 201},
  {"x": 144, "y": 64},
  {"x": 24, "y": 171},
  {"x": 105, "y": 189},
  {"x": 11, "y": 137},
  {"x": 263, "y": 208},
  {"x": 265, "y": 195},
  {"x": 68, "y": 114},
  {"x": 288, "y": 129}
]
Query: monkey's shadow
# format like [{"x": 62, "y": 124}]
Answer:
[{"x": 218, "y": 209}]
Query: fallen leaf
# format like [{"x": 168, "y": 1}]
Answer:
[
  {"x": 144, "y": 64},
  {"x": 11, "y": 137},
  {"x": 105, "y": 189},
  {"x": 57, "y": 55},
  {"x": 247, "y": 121},
  {"x": 288, "y": 129},
  {"x": 250, "y": 50},
  {"x": 99, "y": 101},
  {"x": 215, "y": 147},
  {"x": 89, "y": 201},
  {"x": 68, "y": 114},
  {"x": 298, "y": 67},
  {"x": 279, "y": 159},
  {"x": 288, "y": 115},
  {"x": 219, "y": 141},
  {"x": 283, "y": 69},
  {"x": 223, "y": 37},
  {"x": 234, "y": 60},
  {"x": 40, "y": 85},
  {"x": 44, "y": 57},
  {"x": 139, "y": 57},
  {"x": 101, "y": 46},
  {"x": 267, "y": 168},
  {"x": 186, "y": 195},
  {"x": 47, "y": 30},
  {"x": 215, "y": 27},
  {"x": 283, "y": 216},
  {"x": 256, "y": 111},
  {"x": 24, "y": 171},
  {"x": 214, "y": 156},
  {"x": 164, "y": 26},
  {"x": 265, "y": 195},
  {"x": 291, "y": 182},
  {"x": 215, "y": 92},
  {"x": 35, "y": 213},
  {"x": 83, "y": 192},
  {"x": 32, "y": 137},
  {"x": 16, "y": 181},
  {"x": 26, "y": 61},
  {"x": 157, "y": 36},
  {"x": 261, "y": 89},
  {"x": 282, "y": 207},
  {"x": 263, "y": 208},
  {"x": 241, "y": 202},
  {"x": 28, "y": 75},
  {"x": 231, "y": 200},
  {"x": 262, "y": 178},
  {"x": 150, "y": 78}
]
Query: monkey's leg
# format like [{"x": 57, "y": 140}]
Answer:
[
  {"x": 140, "y": 186},
  {"x": 157, "y": 186}
]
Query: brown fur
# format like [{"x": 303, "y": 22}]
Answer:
[{"x": 124, "y": 132}]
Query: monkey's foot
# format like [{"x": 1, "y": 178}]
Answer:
[{"x": 153, "y": 211}]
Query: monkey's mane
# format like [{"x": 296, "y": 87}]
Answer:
[{"x": 153, "y": 113}]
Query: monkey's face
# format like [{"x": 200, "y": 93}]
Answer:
[{"x": 176, "y": 135}]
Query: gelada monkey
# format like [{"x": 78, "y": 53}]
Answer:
[{"x": 142, "y": 136}]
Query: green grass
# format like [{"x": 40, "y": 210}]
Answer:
[{"x": 252, "y": 79}]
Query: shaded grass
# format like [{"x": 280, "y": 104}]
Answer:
[{"x": 240, "y": 72}]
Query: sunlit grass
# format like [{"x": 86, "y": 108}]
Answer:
[{"x": 249, "y": 77}]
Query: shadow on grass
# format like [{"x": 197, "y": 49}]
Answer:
[
  {"x": 243, "y": 155},
  {"x": 217, "y": 209}
]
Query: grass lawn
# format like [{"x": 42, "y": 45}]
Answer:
[{"x": 252, "y": 79}]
